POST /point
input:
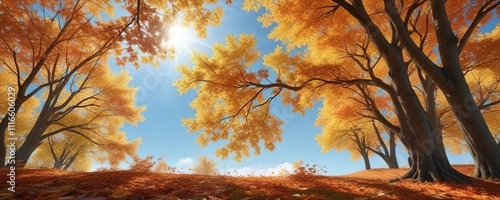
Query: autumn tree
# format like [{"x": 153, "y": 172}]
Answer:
[
  {"x": 228, "y": 72},
  {"x": 57, "y": 52},
  {"x": 61, "y": 153},
  {"x": 205, "y": 166},
  {"x": 161, "y": 166},
  {"x": 352, "y": 126},
  {"x": 480, "y": 71},
  {"x": 145, "y": 164},
  {"x": 302, "y": 25},
  {"x": 447, "y": 74},
  {"x": 309, "y": 23},
  {"x": 69, "y": 150},
  {"x": 222, "y": 116},
  {"x": 353, "y": 138}
]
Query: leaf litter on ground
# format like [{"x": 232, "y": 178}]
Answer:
[{"x": 368, "y": 184}]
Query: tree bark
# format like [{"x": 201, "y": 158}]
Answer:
[
  {"x": 3, "y": 150},
  {"x": 393, "y": 163},
  {"x": 389, "y": 156},
  {"x": 450, "y": 79},
  {"x": 366, "y": 159},
  {"x": 29, "y": 145},
  {"x": 428, "y": 164},
  {"x": 483, "y": 147}
]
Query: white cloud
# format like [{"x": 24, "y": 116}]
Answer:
[
  {"x": 185, "y": 163},
  {"x": 259, "y": 171}
]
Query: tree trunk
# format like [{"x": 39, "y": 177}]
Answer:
[
  {"x": 32, "y": 142},
  {"x": 389, "y": 156},
  {"x": 4, "y": 125},
  {"x": 24, "y": 153},
  {"x": 366, "y": 159},
  {"x": 481, "y": 142},
  {"x": 430, "y": 108},
  {"x": 427, "y": 163},
  {"x": 58, "y": 165},
  {"x": 482, "y": 145},
  {"x": 393, "y": 160},
  {"x": 3, "y": 150}
]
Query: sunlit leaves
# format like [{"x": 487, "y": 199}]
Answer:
[{"x": 227, "y": 108}]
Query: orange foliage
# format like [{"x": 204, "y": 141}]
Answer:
[{"x": 40, "y": 183}]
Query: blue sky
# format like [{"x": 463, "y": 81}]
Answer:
[{"x": 163, "y": 134}]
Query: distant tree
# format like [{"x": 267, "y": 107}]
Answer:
[
  {"x": 205, "y": 166},
  {"x": 351, "y": 133},
  {"x": 161, "y": 166},
  {"x": 73, "y": 151},
  {"x": 142, "y": 164}
]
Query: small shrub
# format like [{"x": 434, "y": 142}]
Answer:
[
  {"x": 107, "y": 169},
  {"x": 205, "y": 166},
  {"x": 162, "y": 167},
  {"x": 301, "y": 170},
  {"x": 142, "y": 164},
  {"x": 148, "y": 165}
]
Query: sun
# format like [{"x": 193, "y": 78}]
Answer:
[{"x": 178, "y": 36}]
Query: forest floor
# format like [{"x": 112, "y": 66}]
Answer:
[{"x": 370, "y": 184}]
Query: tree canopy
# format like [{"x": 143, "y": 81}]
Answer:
[
  {"x": 331, "y": 48},
  {"x": 55, "y": 55}
]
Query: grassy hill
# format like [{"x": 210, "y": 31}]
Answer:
[{"x": 370, "y": 184}]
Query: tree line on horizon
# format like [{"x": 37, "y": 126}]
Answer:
[{"x": 418, "y": 72}]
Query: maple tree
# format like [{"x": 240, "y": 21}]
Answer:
[
  {"x": 301, "y": 27},
  {"x": 222, "y": 116},
  {"x": 480, "y": 71},
  {"x": 63, "y": 153},
  {"x": 162, "y": 167},
  {"x": 319, "y": 73},
  {"x": 356, "y": 130},
  {"x": 55, "y": 53},
  {"x": 225, "y": 71},
  {"x": 205, "y": 166},
  {"x": 69, "y": 150},
  {"x": 354, "y": 139}
]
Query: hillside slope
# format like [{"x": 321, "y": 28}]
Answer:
[{"x": 372, "y": 184}]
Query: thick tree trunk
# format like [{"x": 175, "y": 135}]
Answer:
[
  {"x": 482, "y": 144},
  {"x": 430, "y": 108},
  {"x": 32, "y": 142},
  {"x": 428, "y": 163},
  {"x": 366, "y": 159},
  {"x": 4, "y": 133},
  {"x": 24, "y": 153},
  {"x": 431, "y": 166},
  {"x": 393, "y": 160},
  {"x": 3, "y": 150},
  {"x": 58, "y": 165}
]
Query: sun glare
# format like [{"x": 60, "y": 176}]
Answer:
[{"x": 178, "y": 36}]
